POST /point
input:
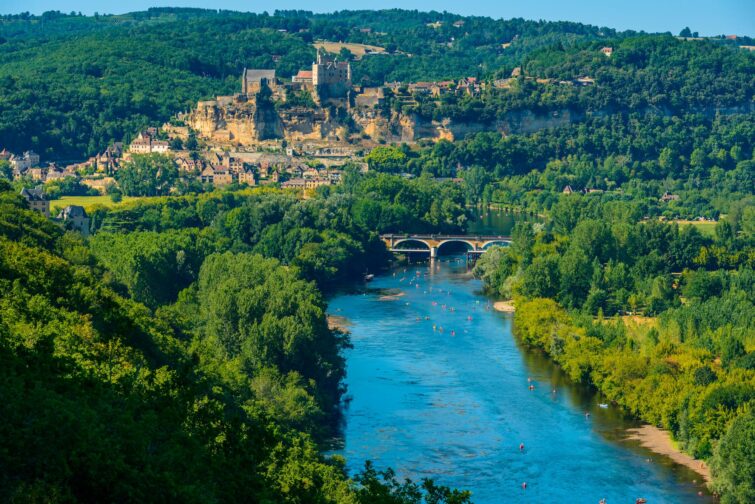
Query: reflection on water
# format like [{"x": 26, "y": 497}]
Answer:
[
  {"x": 440, "y": 388},
  {"x": 494, "y": 221}
]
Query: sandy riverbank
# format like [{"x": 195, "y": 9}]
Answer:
[
  {"x": 659, "y": 441},
  {"x": 504, "y": 306},
  {"x": 392, "y": 297},
  {"x": 339, "y": 322}
]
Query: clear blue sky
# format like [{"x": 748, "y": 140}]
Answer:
[{"x": 709, "y": 17}]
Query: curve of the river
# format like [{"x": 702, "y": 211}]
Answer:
[{"x": 455, "y": 405}]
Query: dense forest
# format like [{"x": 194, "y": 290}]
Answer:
[
  {"x": 657, "y": 317},
  {"x": 70, "y": 85},
  {"x": 183, "y": 354},
  {"x": 624, "y": 157}
]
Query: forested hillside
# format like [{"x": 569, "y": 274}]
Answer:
[
  {"x": 69, "y": 85},
  {"x": 182, "y": 355}
]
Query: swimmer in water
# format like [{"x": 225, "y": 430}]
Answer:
[{"x": 521, "y": 447}]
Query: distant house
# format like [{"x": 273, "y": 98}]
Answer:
[
  {"x": 187, "y": 165},
  {"x": 252, "y": 80},
  {"x": 310, "y": 173},
  {"x": 109, "y": 159},
  {"x": 36, "y": 173},
  {"x": 21, "y": 163},
  {"x": 75, "y": 217},
  {"x": 584, "y": 81},
  {"x": 207, "y": 175},
  {"x": 667, "y": 196},
  {"x": 468, "y": 85},
  {"x": 608, "y": 51},
  {"x": 568, "y": 190},
  {"x": 54, "y": 173},
  {"x": 37, "y": 200},
  {"x": 145, "y": 143},
  {"x": 421, "y": 87},
  {"x": 247, "y": 177},
  {"x": 459, "y": 23},
  {"x": 303, "y": 77},
  {"x": 222, "y": 176},
  {"x": 294, "y": 183}
]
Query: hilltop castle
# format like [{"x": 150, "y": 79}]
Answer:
[{"x": 331, "y": 78}]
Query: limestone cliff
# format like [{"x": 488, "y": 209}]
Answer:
[{"x": 236, "y": 120}]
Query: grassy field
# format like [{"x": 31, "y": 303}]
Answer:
[
  {"x": 357, "y": 50},
  {"x": 86, "y": 201},
  {"x": 707, "y": 228}
]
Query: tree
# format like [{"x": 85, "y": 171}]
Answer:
[
  {"x": 541, "y": 278},
  {"x": 147, "y": 175},
  {"x": 387, "y": 159},
  {"x": 6, "y": 171},
  {"x": 686, "y": 32},
  {"x": 475, "y": 179},
  {"x": 733, "y": 463}
]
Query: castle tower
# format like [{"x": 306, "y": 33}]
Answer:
[{"x": 331, "y": 78}]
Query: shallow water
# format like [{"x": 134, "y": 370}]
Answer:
[{"x": 455, "y": 407}]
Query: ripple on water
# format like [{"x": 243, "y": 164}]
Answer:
[{"x": 457, "y": 407}]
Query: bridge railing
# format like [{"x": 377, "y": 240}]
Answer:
[{"x": 444, "y": 237}]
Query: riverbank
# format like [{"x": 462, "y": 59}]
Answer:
[
  {"x": 440, "y": 401},
  {"x": 504, "y": 306},
  {"x": 659, "y": 441},
  {"x": 339, "y": 322}
]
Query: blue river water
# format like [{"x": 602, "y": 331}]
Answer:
[{"x": 456, "y": 405}]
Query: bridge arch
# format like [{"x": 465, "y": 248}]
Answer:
[
  {"x": 411, "y": 244},
  {"x": 494, "y": 243},
  {"x": 468, "y": 243}
]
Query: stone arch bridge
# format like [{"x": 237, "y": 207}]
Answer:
[{"x": 406, "y": 243}]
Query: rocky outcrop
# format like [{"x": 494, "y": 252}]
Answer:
[{"x": 236, "y": 120}]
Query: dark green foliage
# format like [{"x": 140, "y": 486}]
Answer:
[
  {"x": 147, "y": 175},
  {"x": 734, "y": 461},
  {"x": 383, "y": 487},
  {"x": 154, "y": 267},
  {"x": 687, "y": 370},
  {"x": 216, "y": 398}
]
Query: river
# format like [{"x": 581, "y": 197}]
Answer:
[{"x": 456, "y": 405}]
